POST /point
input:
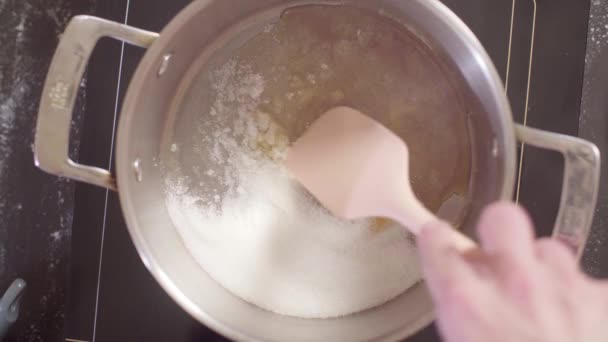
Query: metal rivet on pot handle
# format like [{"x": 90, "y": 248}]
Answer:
[
  {"x": 164, "y": 64},
  {"x": 60, "y": 90},
  {"x": 580, "y": 187}
]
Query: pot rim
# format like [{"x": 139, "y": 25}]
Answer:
[{"x": 149, "y": 64}]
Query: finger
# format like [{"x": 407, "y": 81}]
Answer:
[
  {"x": 557, "y": 256},
  {"x": 444, "y": 268},
  {"x": 505, "y": 230}
]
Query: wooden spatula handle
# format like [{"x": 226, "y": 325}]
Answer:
[
  {"x": 463, "y": 243},
  {"x": 414, "y": 215}
]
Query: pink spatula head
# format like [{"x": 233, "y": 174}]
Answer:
[{"x": 358, "y": 168}]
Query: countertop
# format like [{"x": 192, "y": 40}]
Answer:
[
  {"x": 593, "y": 125},
  {"x": 36, "y": 209}
]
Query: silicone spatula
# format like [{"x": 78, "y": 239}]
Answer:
[{"x": 358, "y": 168}]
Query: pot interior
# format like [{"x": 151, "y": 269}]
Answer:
[{"x": 224, "y": 66}]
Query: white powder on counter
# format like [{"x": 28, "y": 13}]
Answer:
[{"x": 263, "y": 237}]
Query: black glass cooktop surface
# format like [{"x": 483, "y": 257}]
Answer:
[{"x": 538, "y": 48}]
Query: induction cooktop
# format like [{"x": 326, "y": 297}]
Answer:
[{"x": 538, "y": 48}]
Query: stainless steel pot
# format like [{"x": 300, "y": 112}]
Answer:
[{"x": 150, "y": 101}]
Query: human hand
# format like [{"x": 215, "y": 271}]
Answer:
[{"x": 514, "y": 288}]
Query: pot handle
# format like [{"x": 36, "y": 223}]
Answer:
[
  {"x": 580, "y": 186},
  {"x": 51, "y": 144}
]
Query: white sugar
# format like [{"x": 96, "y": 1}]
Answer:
[{"x": 262, "y": 236}]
